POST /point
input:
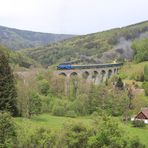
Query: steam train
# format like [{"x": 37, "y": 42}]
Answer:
[{"x": 69, "y": 66}]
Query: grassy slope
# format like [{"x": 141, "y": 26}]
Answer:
[
  {"x": 91, "y": 46},
  {"x": 56, "y": 123},
  {"x": 142, "y": 133},
  {"x": 49, "y": 121},
  {"x": 132, "y": 68}
]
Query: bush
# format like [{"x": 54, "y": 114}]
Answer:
[
  {"x": 75, "y": 135},
  {"x": 7, "y": 131},
  {"x": 43, "y": 87},
  {"x": 135, "y": 143},
  {"x": 138, "y": 123},
  {"x": 58, "y": 110},
  {"x": 35, "y": 104},
  {"x": 42, "y": 138}
]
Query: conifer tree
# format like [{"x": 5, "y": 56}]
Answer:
[{"x": 7, "y": 87}]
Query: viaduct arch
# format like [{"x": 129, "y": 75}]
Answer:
[{"x": 96, "y": 74}]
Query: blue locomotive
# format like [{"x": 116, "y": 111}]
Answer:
[{"x": 65, "y": 67}]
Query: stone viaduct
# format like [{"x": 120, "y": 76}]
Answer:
[{"x": 96, "y": 73}]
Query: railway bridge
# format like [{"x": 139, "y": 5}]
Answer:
[{"x": 95, "y": 73}]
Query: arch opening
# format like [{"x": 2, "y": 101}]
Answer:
[
  {"x": 102, "y": 75},
  {"x": 73, "y": 75},
  {"x": 62, "y": 74},
  {"x": 109, "y": 73},
  {"x": 85, "y": 74},
  {"x": 94, "y": 74}
]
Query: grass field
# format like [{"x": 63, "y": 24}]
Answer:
[
  {"x": 141, "y": 133},
  {"x": 56, "y": 123}
]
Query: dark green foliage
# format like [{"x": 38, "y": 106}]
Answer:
[
  {"x": 119, "y": 84},
  {"x": 138, "y": 123},
  {"x": 146, "y": 72},
  {"x": 141, "y": 50},
  {"x": 7, "y": 86},
  {"x": 7, "y": 131}
]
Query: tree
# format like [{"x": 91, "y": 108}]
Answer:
[
  {"x": 7, "y": 131},
  {"x": 119, "y": 84},
  {"x": 34, "y": 104},
  {"x": 141, "y": 50},
  {"x": 43, "y": 87},
  {"x": 75, "y": 135},
  {"x": 7, "y": 86}
]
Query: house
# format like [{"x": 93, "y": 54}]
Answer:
[{"x": 143, "y": 115}]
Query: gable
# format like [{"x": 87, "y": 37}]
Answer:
[{"x": 141, "y": 116}]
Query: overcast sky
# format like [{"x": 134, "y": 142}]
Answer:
[{"x": 71, "y": 16}]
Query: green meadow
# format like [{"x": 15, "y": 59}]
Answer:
[{"x": 55, "y": 123}]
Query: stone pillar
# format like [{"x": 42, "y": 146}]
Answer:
[
  {"x": 89, "y": 78},
  {"x": 67, "y": 85}
]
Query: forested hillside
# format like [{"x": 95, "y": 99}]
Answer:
[
  {"x": 92, "y": 48},
  {"x": 18, "y": 39},
  {"x": 16, "y": 58}
]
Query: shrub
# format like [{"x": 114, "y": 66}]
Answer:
[
  {"x": 58, "y": 110},
  {"x": 138, "y": 123},
  {"x": 43, "y": 87},
  {"x": 35, "y": 104},
  {"x": 75, "y": 135},
  {"x": 7, "y": 131},
  {"x": 42, "y": 138},
  {"x": 135, "y": 143}
]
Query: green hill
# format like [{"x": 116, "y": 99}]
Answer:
[
  {"x": 18, "y": 39},
  {"x": 16, "y": 58},
  {"x": 92, "y": 48}
]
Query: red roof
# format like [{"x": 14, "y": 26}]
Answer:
[{"x": 143, "y": 113}]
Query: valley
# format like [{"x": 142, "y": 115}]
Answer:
[{"x": 42, "y": 109}]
